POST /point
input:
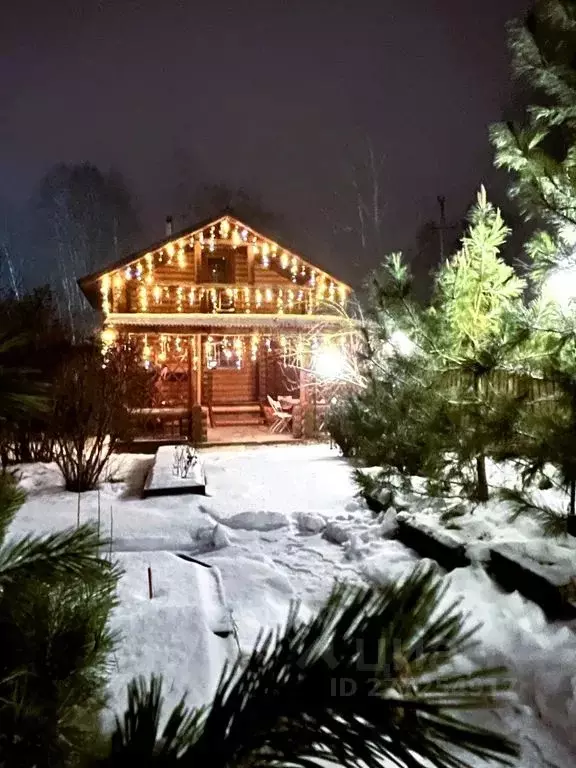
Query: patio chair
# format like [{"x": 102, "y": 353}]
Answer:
[{"x": 282, "y": 419}]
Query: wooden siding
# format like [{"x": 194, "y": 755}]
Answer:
[{"x": 269, "y": 276}]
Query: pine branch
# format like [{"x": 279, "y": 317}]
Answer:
[
  {"x": 70, "y": 553},
  {"x": 283, "y": 706}
]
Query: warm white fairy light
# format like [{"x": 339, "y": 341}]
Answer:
[
  {"x": 179, "y": 298},
  {"x": 284, "y": 260},
  {"x": 224, "y": 229},
  {"x": 331, "y": 292},
  {"x": 170, "y": 251},
  {"x": 244, "y": 235},
  {"x": 280, "y": 302},
  {"x": 254, "y": 343},
  {"x": 191, "y": 297},
  {"x": 290, "y": 301},
  {"x": 181, "y": 258},
  {"x": 342, "y": 294},
  {"x": 143, "y": 298},
  {"x": 146, "y": 351},
  {"x": 268, "y": 295},
  {"x": 236, "y": 239},
  {"x": 212, "y": 239},
  {"x": 258, "y": 298},
  {"x": 108, "y": 338},
  {"x": 163, "y": 347}
]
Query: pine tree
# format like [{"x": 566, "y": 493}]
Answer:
[
  {"x": 477, "y": 299},
  {"x": 541, "y": 153},
  {"x": 367, "y": 681}
]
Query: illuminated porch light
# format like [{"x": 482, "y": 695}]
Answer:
[
  {"x": 329, "y": 362},
  {"x": 108, "y": 337}
]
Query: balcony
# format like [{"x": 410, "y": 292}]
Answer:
[{"x": 216, "y": 298}]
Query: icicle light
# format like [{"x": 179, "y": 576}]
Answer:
[{"x": 105, "y": 291}]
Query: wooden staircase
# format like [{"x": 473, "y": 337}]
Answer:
[{"x": 244, "y": 415}]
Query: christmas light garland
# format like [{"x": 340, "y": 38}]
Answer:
[{"x": 295, "y": 269}]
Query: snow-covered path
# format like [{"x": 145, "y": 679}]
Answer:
[{"x": 257, "y": 526}]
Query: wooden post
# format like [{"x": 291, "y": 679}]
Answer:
[
  {"x": 198, "y": 343},
  {"x": 190, "y": 431},
  {"x": 198, "y": 277},
  {"x": 150, "y": 590}
]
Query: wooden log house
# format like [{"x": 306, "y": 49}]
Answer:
[{"x": 221, "y": 314}]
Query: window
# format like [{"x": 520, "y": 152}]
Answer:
[
  {"x": 223, "y": 354},
  {"x": 218, "y": 269}
]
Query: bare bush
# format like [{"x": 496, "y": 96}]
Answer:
[{"x": 93, "y": 398}]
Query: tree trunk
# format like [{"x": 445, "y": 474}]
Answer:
[
  {"x": 571, "y": 520},
  {"x": 481, "y": 479}
]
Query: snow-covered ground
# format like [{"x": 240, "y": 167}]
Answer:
[
  {"x": 479, "y": 527},
  {"x": 282, "y": 523}
]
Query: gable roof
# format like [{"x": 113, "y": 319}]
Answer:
[{"x": 87, "y": 282}]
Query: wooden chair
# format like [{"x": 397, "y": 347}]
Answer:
[{"x": 282, "y": 420}]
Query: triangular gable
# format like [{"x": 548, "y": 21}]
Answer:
[{"x": 223, "y": 230}]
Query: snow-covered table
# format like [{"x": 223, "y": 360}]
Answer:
[{"x": 176, "y": 469}]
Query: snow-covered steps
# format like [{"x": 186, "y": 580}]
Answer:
[
  {"x": 176, "y": 469},
  {"x": 246, "y": 414}
]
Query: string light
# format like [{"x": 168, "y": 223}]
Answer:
[
  {"x": 212, "y": 238},
  {"x": 105, "y": 290},
  {"x": 157, "y": 294},
  {"x": 236, "y": 239},
  {"x": 181, "y": 258},
  {"x": 108, "y": 337},
  {"x": 284, "y": 260},
  {"x": 179, "y": 292},
  {"x": 146, "y": 351},
  {"x": 191, "y": 297},
  {"x": 117, "y": 284},
  {"x": 170, "y": 251},
  {"x": 254, "y": 343},
  {"x": 224, "y": 229},
  {"x": 258, "y": 298},
  {"x": 143, "y": 298}
]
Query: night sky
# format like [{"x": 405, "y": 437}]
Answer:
[{"x": 283, "y": 98}]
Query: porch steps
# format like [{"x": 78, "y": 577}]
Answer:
[{"x": 244, "y": 415}]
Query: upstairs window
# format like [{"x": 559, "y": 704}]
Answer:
[{"x": 218, "y": 269}]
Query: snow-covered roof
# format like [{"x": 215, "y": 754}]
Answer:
[{"x": 203, "y": 320}]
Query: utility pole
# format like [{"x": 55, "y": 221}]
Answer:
[{"x": 442, "y": 228}]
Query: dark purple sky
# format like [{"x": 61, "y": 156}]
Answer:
[{"x": 278, "y": 96}]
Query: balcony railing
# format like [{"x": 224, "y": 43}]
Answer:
[{"x": 217, "y": 299}]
